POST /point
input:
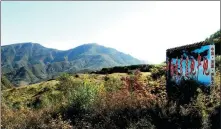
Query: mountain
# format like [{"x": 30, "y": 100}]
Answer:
[{"x": 26, "y": 63}]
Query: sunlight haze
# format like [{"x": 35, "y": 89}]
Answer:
[{"x": 142, "y": 29}]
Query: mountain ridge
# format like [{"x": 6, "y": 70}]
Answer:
[{"x": 29, "y": 62}]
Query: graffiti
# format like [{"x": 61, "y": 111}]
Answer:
[
  {"x": 176, "y": 67},
  {"x": 181, "y": 65},
  {"x": 205, "y": 66},
  {"x": 187, "y": 60},
  {"x": 196, "y": 63},
  {"x": 171, "y": 69},
  {"x": 192, "y": 67}
]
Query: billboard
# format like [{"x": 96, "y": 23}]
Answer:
[{"x": 196, "y": 61}]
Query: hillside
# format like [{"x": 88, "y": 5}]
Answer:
[
  {"x": 5, "y": 83},
  {"x": 97, "y": 101},
  {"x": 27, "y": 63}
]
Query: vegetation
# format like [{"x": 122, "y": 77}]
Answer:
[
  {"x": 136, "y": 100},
  {"x": 218, "y": 62},
  {"x": 215, "y": 38},
  {"x": 129, "y": 97},
  {"x": 29, "y": 63},
  {"x": 127, "y": 69},
  {"x": 5, "y": 83}
]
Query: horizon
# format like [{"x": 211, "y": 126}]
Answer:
[
  {"x": 71, "y": 48},
  {"x": 127, "y": 28}
]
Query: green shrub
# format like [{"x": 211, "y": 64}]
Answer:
[
  {"x": 106, "y": 78},
  {"x": 85, "y": 94},
  {"x": 5, "y": 83},
  {"x": 65, "y": 82},
  {"x": 82, "y": 99},
  {"x": 157, "y": 72},
  {"x": 218, "y": 63},
  {"x": 112, "y": 84}
]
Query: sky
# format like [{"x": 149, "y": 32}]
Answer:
[{"x": 143, "y": 29}]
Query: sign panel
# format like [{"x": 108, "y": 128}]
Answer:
[{"x": 195, "y": 61}]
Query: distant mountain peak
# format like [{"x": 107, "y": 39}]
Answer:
[
  {"x": 23, "y": 43},
  {"x": 42, "y": 63}
]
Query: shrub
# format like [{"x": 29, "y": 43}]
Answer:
[
  {"x": 59, "y": 123},
  {"x": 158, "y": 88},
  {"x": 23, "y": 118},
  {"x": 106, "y": 78},
  {"x": 131, "y": 92},
  {"x": 127, "y": 102},
  {"x": 184, "y": 92},
  {"x": 157, "y": 72},
  {"x": 63, "y": 77},
  {"x": 215, "y": 118},
  {"x": 65, "y": 82},
  {"x": 112, "y": 83},
  {"x": 83, "y": 96},
  {"x": 218, "y": 63},
  {"x": 77, "y": 76},
  {"x": 5, "y": 83}
]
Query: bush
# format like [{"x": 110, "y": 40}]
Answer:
[
  {"x": 106, "y": 78},
  {"x": 5, "y": 83},
  {"x": 83, "y": 97},
  {"x": 157, "y": 116},
  {"x": 218, "y": 63},
  {"x": 77, "y": 76},
  {"x": 30, "y": 119},
  {"x": 158, "y": 88},
  {"x": 215, "y": 118},
  {"x": 65, "y": 82},
  {"x": 112, "y": 83},
  {"x": 113, "y": 102},
  {"x": 157, "y": 72},
  {"x": 184, "y": 92}
]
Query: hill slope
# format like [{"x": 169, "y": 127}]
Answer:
[
  {"x": 5, "y": 84},
  {"x": 26, "y": 63}
]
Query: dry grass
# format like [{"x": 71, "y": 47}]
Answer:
[{"x": 104, "y": 101}]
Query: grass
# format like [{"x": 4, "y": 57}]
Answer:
[{"x": 118, "y": 100}]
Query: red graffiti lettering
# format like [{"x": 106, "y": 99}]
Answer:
[
  {"x": 205, "y": 66},
  {"x": 177, "y": 66},
  {"x": 192, "y": 67},
  {"x": 168, "y": 63},
  {"x": 187, "y": 59},
  {"x": 171, "y": 68},
  {"x": 181, "y": 65}
]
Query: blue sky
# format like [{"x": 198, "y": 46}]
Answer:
[{"x": 142, "y": 29}]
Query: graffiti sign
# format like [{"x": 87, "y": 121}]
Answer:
[{"x": 195, "y": 61}]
